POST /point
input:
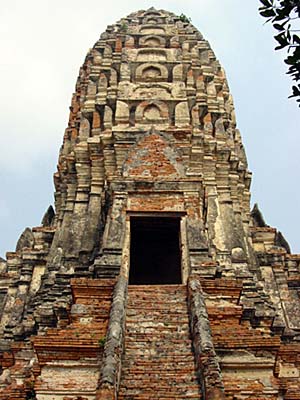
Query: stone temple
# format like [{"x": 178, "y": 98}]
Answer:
[{"x": 152, "y": 279}]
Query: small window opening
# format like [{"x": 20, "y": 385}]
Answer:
[{"x": 155, "y": 257}]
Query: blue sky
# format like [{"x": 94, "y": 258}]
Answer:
[{"x": 43, "y": 43}]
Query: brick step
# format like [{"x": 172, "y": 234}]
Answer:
[
  {"x": 156, "y": 371},
  {"x": 158, "y": 352},
  {"x": 174, "y": 307},
  {"x": 156, "y": 293},
  {"x": 159, "y": 300},
  {"x": 161, "y": 350},
  {"x": 152, "y": 357},
  {"x": 158, "y": 333},
  {"x": 154, "y": 361},
  {"x": 164, "y": 321},
  {"x": 143, "y": 312},
  {"x": 177, "y": 302},
  {"x": 159, "y": 294},
  {"x": 162, "y": 396},
  {"x": 158, "y": 330},
  {"x": 150, "y": 339},
  {"x": 171, "y": 389},
  {"x": 150, "y": 335},
  {"x": 143, "y": 309},
  {"x": 146, "y": 380},
  {"x": 155, "y": 288},
  {"x": 161, "y": 387},
  {"x": 173, "y": 320},
  {"x": 156, "y": 297},
  {"x": 161, "y": 341},
  {"x": 159, "y": 322},
  {"x": 192, "y": 392},
  {"x": 160, "y": 358},
  {"x": 166, "y": 396},
  {"x": 155, "y": 357}
]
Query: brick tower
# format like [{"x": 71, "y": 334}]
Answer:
[{"x": 151, "y": 279}]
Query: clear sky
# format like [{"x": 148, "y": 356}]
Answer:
[{"x": 44, "y": 42}]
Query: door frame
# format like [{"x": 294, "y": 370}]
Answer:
[{"x": 183, "y": 242}]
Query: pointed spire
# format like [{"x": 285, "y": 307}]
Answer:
[
  {"x": 152, "y": 130},
  {"x": 257, "y": 217}
]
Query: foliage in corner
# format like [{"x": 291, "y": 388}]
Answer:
[
  {"x": 31, "y": 395},
  {"x": 285, "y": 17},
  {"x": 30, "y": 392},
  {"x": 184, "y": 18},
  {"x": 101, "y": 342},
  {"x": 124, "y": 27}
]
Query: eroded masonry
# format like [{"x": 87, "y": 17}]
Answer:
[{"x": 152, "y": 279}]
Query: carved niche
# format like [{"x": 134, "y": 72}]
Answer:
[
  {"x": 151, "y": 112},
  {"x": 152, "y": 41},
  {"x": 151, "y": 72}
]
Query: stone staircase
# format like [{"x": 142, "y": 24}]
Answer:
[{"x": 158, "y": 362}]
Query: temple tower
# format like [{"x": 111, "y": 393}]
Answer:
[{"x": 151, "y": 279}]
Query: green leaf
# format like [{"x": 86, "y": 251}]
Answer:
[
  {"x": 296, "y": 39},
  {"x": 289, "y": 61},
  {"x": 282, "y": 40},
  {"x": 279, "y": 27},
  {"x": 280, "y": 18},
  {"x": 296, "y": 92},
  {"x": 268, "y": 13},
  {"x": 266, "y": 3}
]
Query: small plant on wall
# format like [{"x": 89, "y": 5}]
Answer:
[
  {"x": 102, "y": 342},
  {"x": 124, "y": 27},
  {"x": 184, "y": 18},
  {"x": 30, "y": 392}
]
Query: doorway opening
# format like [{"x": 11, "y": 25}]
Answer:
[{"x": 155, "y": 256}]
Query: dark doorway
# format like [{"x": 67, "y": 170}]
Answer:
[{"x": 155, "y": 257}]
